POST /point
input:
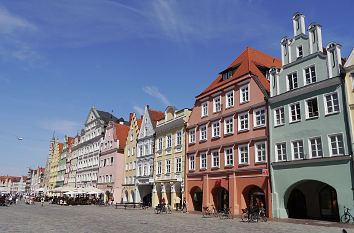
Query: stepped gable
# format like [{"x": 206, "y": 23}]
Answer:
[
  {"x": 156, "y": 116},
  {"x": 139, "y": 122},
  {"x": 249, "y": 61},
  {"x": 122, "y": 134},
  {"x": 60, "y": 147},
  {"x": 70, "y": 141}
]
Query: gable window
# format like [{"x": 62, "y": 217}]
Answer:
[
  {"x": 315, "y": 147},
  {"x": 243, "y": 122},
  {"x": 203, "y": 160},
  {"x": 260, "y": 152},
  {"x": 312, "y": 108},
  {"x": 191, "y": 162},
  {"x": 229, "y": 156},
  {"x": 259, "y": 117},
  {"x": 243, "y": 154},
  {"x": 217, "y": 104},
  {"x": 298, "y": 149},
  {"x": 169, "y": 140},
  {"x": 179, "y": 138},
  {"x": 204, "y": 109},
  {"x": 299, "y": 51},
  {"x": 215, "y": 129},
  {"x": 336, "y": 144},
  {"x": 331, "y": 103},
  {"x": 310, "y": 74},
  {"x": 352, "y": 79},
  {"x": 168, "y": 166},
  {"x": 279, "y": 118},
  {"x": 140, "y": 150},
  {"x": 178, "y": 165},
  {"x": 230, "y": 99},
  {"x": 227, "y": 75},
  {"x": 215, "y": 159},
  {"x": 191, "y": 136},
  {"x": 244, "y": 94},
  {"x": 292, "y": 81},
  {"x": 280, "y": 150},
  {"x": 229, "y": 125},
  {"x": 160, "y": 141},
  {"x": 203, "y": 133},
  {"x": 295, "y": 114}
]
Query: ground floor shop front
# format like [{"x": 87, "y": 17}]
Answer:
[
  {"x": 170, "y": 191},
  {"x": 312, "y": 189},
  {"x": 235, "y": 190},
  {"x": 128, "y": 193}
]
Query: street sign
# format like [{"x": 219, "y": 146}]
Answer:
[{"x": 265, "y": 172}]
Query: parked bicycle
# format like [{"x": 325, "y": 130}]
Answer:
[
  {"x": 254, "y": 216},
  {"x": 346, "y": 216},
  {"x": 163, "y": 208},
  {"x": 226, "y": 213},
  {"x": 210, "y": 212}
]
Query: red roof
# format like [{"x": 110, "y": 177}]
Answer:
[
  {"x": 24, "y": 178},
  {"x": 60, "y": 147},
  {"x": 70, "y": 141},
  {"x": 156, "y": 116},
  {"x": 43, "y": 170},
  {"x": 139, "y": 122},
  {"x": 249, "y": 61},
  {"x": 122, "y": 133},
  {"x": 12, "y": 178}
]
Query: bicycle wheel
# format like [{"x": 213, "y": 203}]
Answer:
[
  {"x": 169, "y": 211},
  {"x": 231, "y": 216},
  {"x": 254, "y": 218},
  {"x": 244, "y": 217},
  {"x": 345, "y": 218}
]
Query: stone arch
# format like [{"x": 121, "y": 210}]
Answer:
[
  {"x": 132, "y": 196},
  {"x": 253, "y": 195},
  {"x": 197, "y": 198},
  {"x": 126, "y": 196}
]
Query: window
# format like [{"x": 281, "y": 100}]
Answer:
[
  {"x": 292, "y": 81},
  {"x": 310, "y": 74},
  {"x": 243, "y": 154},
  {"x": 279, "y": 118},
  {"x": 203, "y": 133},
  {"x": 336, "y": 144},
  {"x": 140, "y": 150},
  {"x": 159, "y": 167},
  {"x": 217, "y": 104},
  {"x": 133, "y": 151},
  {"x": 259, "y": 117},
  {"x": 299, "y": 51},
  {"x": 178, "y": 165},
  {"x": 230, "y": 99},
  {"x": 131, "y": 137},
  {"x": 244, "y": 94},
  {"x": 179, "y": 138},
  {"x": 295, "y": 114},
  {"x": 352, "y": 79},
  {"x": 227, "y": 75},
  {"x": 331, "y": 102},
  {"x": 215, "y": 159},
  {"x": 243, "y": 121},
  {"x": 312, "y": 108},
  {"x": 168, "y": 166},
  {"x": 159, "y": 144},
  {"x": 280, "y": 150},
  {"x": 169, "y": 140},
  {"x": 315, "y": 147},
  {"x": 229, "y": 125},
  {"x": 128, "y": 152},
  {"x": 260, "y": 152},
  {"x": 127, "y": 166},
  {"x": 215, "y": 127},
  {"x": 204, "y": 109},
  {"x": 191, "y": 136},
  {"x": 203, "y": 160},
  {"x": 191, "y": 162},
  {"x": 145, "y": 170},
  {"x": 111, "y": 160},
  {"x": 298, "y": 149},
  {"x": 229, "y": 156}
]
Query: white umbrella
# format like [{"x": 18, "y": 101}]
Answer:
[{"x": 39, "y": 190}]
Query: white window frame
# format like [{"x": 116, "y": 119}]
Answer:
[
  {"x": 240, "y": 162},
  {"x": 232, "y": 156},
  {"x": 330, "y": 144},
  {"x": 226, "y": 124},
  {"x": 201, "y": 160},
  {"x": 292, "y": 77},
  {"x": 178, "y": 138},
  {"x": 281, "y": 119},
  {"x": 230, "y": 96},
  {"x": 168, "y": 141},
  {"x": 326, "y": 105},
  {"x": 298, "y": 51},
  {"x": 310, "y": 73},
  {"x": 293, "y": 149},
  {"x": 168, "y": 166},
  {"x": 282, "y": 155},
  {"x": 204, "y": 109},
  {"x": 201, "y": 134},
  {"x": 307, "y": 108},
  {"x": 159, "y": 167},
  {"x": 255, "y": 125},
  {"x": 310, "y": 147},
  {"x": 178, "y": 163},
  {"x": 213, "y": 165},
  {"x": 256, "y": 152},
  {"x": 242, "y": 90},
  {"x": 351, "y": 75},
  {"x": 191, "y": 136},
  {"x": 215, "y": 126},
  {"x": 160, "y": 143},
  {"x": 290, "y": 116},
  {"x": 239, "y": 121},
  {"x": 191, "y": 162},
  {"x": 217, "y": 106}
]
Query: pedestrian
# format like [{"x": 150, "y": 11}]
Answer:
[
  {"x": 112, "y": 200},
  {"x": 42, "y": 201},
  {"x": 163, "y": 201},
  {"x": 184, "y": 205}
]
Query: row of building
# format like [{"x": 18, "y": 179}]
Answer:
[{"x": 267, "y": 132}]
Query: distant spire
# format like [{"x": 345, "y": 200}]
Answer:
[{"x": 53, "y": 138}]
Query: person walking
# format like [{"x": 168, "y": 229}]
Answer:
[
  {"x": 184, "y": 205},
  {"x": 42, "y": 201},
  {"x": 112, "y": 200}
]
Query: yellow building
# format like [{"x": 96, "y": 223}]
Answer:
[
  {"x": 169, "y": 161},
  {"x": 349, "y": 82},
  {"x": 54, "y": 165},
  {"x": 130, "y": 151}
]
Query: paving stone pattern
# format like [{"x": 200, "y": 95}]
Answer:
[{"x": 53, "y": 218}]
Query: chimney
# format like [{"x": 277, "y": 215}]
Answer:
[
  {"x": 315, "y": 36},
  {"x": 298, "y": 24}
]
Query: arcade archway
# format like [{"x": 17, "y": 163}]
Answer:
[
  {"x": 197, "y": 198},
  {"x": 220, "y": 198}
]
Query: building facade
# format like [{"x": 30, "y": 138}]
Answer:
[
  {"x": 68, "y": 160},
  {"x": 310, "y": 140},
  {"x": 110, "y": 173},
  {"x": 63, "y": 161},
  {"x": 227, "y": 152},
  {"x": 145, "y": 156},
  {"x": 73, "y": 161},
  {"x": 48, "y": 162},
  {"x": 54, "y": 165},
  {"x": 349, "y": 83},
  {"x": 130, "y": 152},
  {"x": 169, "y": 161}
]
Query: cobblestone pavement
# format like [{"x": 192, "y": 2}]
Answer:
[{"x": 53, "y": 218}]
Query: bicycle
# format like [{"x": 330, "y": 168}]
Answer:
[
  {"x": 226, "y": 213},
  {"x": 346, "y": 216},
  {"x": 161, "y": 208},
  {"x": 209, "y": 212}
]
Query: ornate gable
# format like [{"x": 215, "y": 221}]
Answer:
[{"x": 147, "y": 126}]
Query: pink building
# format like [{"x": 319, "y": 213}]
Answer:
[
  {"x": 68, "y": 159},
  {"x": 110, "y": 173}
]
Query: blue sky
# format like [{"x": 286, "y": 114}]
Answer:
[{"x": 59, "y": 58}]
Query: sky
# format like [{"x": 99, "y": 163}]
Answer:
[{"x": 60, "y": 58}]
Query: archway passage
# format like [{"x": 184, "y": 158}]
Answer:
[
  {"x": 147, "y": 200},
  {"x": 197, "y": 197},
  {"x": 221, "y": 198},
  {"x": 313, "y": 200},
  {"x": 126, "y": 198}
]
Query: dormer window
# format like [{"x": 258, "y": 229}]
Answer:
[
  {"x": 299, "y": 51},
  {"x": 227, "y": 75}
]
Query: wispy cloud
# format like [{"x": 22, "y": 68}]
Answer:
[
  {"x": 139, "y": 110},
  {"x": 154, "y": 91},
  {"x": 9, "y": 23},
  {"x": 67, "y": 127}
]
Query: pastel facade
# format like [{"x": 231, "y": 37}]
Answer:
[
  {"x": 310, "y": 141},
  {"x": 54, "y": 165},
  {"x": 110, "y": 173},
  {"x": 227, "y": 151},
  {"x": 48, "y": 162},
  {"x": 63, "y": 161},
  {"x": 73, "y": 161},
  {"x": 130, "y": 155},
  {"x": 349, "y": 84},
  {"x": 68, "y": 160},
  {"x": 169, "y": 161}
]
